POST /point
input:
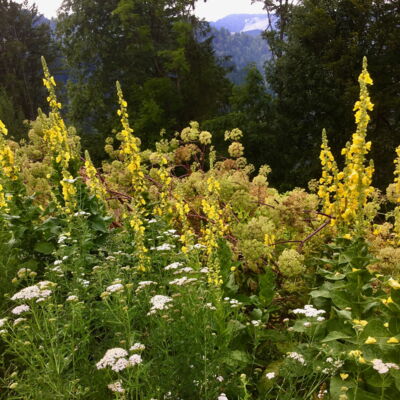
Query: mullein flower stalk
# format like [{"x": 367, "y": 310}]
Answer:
[
  {"x": 130, "y": 152},
  {"x": 8, "y": 168},
  {"x": 396, "y": 211},
  {"x": 328, "y": 183},
  {"x": 214, "y": 229},
  {"x": 345, "y": 194},
  {"x": 57, "y": 139},
  {"x": 93, "y": 181}
]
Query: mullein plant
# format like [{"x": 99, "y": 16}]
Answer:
[
  {"x": 396, "y": 188},
  {"x": 214, "y": 229},
  {"x": 345, "y": 194},
  {"x": 130, "y": 152},
  {"x": 9, "y": 169},
  {"x": 60, "y": 145}
]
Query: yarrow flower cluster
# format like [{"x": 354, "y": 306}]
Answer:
[
  {"x": 116, "y": 387},
  {"x": 298, "y": 357},
  {"x": 117, "y": 287},
  {"x": 117, "y": 360},
  {"x": 137, "y": 347},
  {"x": 143, "y": 284},
  {"x": 39, "y": 291},
  {"x": 309, "y": 311},
  {"x": 20, "y": 309},
  {"x": 159, "y": 302},
  {"x": 163, "y": 247},
  {"x": 182, "y": 281},
  {"x": 382, "y": 367},
  {"x": 174, "y": 265}
]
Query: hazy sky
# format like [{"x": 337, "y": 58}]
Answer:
[{"x": 211, "y": 11}]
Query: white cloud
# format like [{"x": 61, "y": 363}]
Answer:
[
  {"x": 46, "y": 7},
  {"x": 211, "y": 10}
]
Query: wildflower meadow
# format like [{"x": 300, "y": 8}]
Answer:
[{"x": 179, "y": 273}]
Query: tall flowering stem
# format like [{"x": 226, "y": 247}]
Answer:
[
  {"x": 345, "y": 194},
  {"x": 56, "y": 137},
  {"x": 397, "y": 196},
  {"x": 214, "y": 229},
  {"x": 187, "y": 235},
  {"x": 328, "y": 183},
  {"x": 163, "y": 174},
  {"x": 8, "y": 168},
  {"x": 130, "y": 152},
  {"x": 93, "y": 182}
]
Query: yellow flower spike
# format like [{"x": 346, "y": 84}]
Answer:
[
  {"x": 386, "y": 324},
  {"x": 370, "y": 340},
  {"x": 392, "y": 340},
  {"x": 344, "y": 376},
  {"x": 362, "y": 360},
  {"x": 347, "y": 197}
]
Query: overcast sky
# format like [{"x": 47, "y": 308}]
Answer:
[{"x": 211, "y": 11}]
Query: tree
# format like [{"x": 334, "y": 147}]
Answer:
[
  {"x": 314, "y": 80},
  {"x": 154, "y": 48},
  {"x": 24, "y": 37}
]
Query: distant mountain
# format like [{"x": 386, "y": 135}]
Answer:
[
  {"x": 252, "y": 24},
  {"x": 238, "y": 36}
]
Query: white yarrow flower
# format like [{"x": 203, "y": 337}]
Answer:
[
  {"x": 116, "y": 387},
  {"x": 174, "y": 265},
  {"x": 270, "y": 375},
  {"x": 20, "y": 309},
  {"x": 137, "y": 347},
  {"x": 117, "y": 287},
  {"x": 222, "y": 396}
]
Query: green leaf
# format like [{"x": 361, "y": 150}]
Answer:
[
  {"x": 44, "y": 247},
  {"x": 267, "y": 287},
  {"x": 321, "y": 293},
  {"x": 237, "y": 358},
  {"x": 342, "y": 299},
  {"x": 335, "y": 335}
]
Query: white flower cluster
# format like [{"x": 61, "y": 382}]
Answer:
[
  {"x": 335, "y": 365},
  {"x": 143, "y": 284},
  {"x": 62, "y": 239},
  {"x": 117, "y": 360},
  {"x": 116, "y": 387},
  {"x": 210, "y": 306},
  {"x": 270, "y": 375},
  {"x": 197, "y": 246},
  {"x": 233, "y": 302},
  {"x": 186, "y": 270},
  {"x": 222, "y": 396},
  {"x": 163, "y": 247},
  {"x": 310, "y": 311},
  {"x": 159, "y": 302},
  {"x": 382, "y": 367},
  {"x": 39, "y": 291},
  {"x": 116, "y": 287},
  {"x": 298, "y": 357},
  {"x": 2, "y": 322},
  {"x": 20, "y": 309},
  {"x": 137, "y": 347},
  {"x": 174, "y": 265},
  {"x": 81, "y": 214},
  {"x": 72, "y": 298},
  {"x": 182, "y": 281},
  {"x": 18, "y": 321}
]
